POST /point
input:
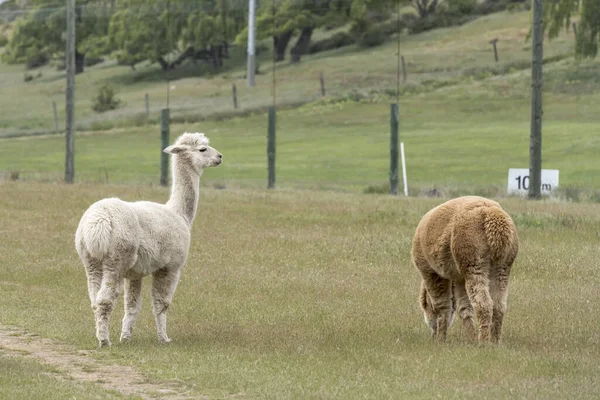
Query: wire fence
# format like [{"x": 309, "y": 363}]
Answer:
[{"x": 184, "y": 56}]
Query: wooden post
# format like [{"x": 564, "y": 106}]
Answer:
[
  {"x": 70, "y": 94},
  {"x": 164, "y": 142},
  {"x": 394, "y": 122},
  {"x": 575, "y": 29},
  {"x": 271, "y": 148},
  {"x": 493, "y": 42},
  {"x": 403, "y": 70},
  {"x": 535, "y": 144},
  {"x": 55, "y": 116},
  {"x": 147, "y": 98},
  {"x": 234, "y": 90},
  {"x": 322, "y": 80}
]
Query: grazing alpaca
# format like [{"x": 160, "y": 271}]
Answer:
[
  {"x": 122, "y": 241},
  {"x": 464, "y": 250}
]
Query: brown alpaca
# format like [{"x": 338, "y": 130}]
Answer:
[{"x": 464, "y": 250}]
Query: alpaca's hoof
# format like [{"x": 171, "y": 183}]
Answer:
[
  {"x": 104, "y": 343},
  {"x": 125, "y": 338},
  {"x": 164, "y": 340}
]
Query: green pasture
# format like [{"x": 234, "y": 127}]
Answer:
[
  {"x": 455, "y": 143},
  {"x": 310, "y": 294}
]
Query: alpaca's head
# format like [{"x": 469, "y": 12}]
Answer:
[
  {"x": 428, "y": 311},
  {"x": 193, "y": 150}
]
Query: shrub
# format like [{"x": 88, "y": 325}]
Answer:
[
  {"x": 28, "y": 77},
  {"x": 462, "y": 6},
  {"x": 3, "y": 40},
  {"x": 393, "y": 26},
  {"x": 439, "y": 20},
  {"x": 336, "y": 41},
  {"x": 374, "y": 36},
  {"x": 105, "y": 100},
  {"x": 91, "y": 61},
  {"x": 37, "y": 59}
]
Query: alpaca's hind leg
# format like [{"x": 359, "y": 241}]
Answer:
[
  {"x": 105, "y": 302},
  {"x": 499, "y": 294},
  {"x": 133, "y": 305},
  {"x": 112, "y": 283},
  {"x": 440, "y": 294},
  {"x": 164, "y": 283},
  {"x": 465, "y": 309},
  {"x": 93, "y": 272},
  {"x": 477, "y": 286}
]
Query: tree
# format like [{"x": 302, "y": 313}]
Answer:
[
  {"x": 557, "y": 14},
  {"x": 40, "y": 36},
  {"x": 425, "y": 7},
  {"x": 169, "y": 32},
  {"x": 290, "y": 17}
]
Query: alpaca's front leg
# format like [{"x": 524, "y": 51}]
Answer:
[
  {"x": 164, "y": 283},
  {"x": 133, "y": 305}
]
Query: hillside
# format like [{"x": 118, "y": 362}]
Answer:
[{"x": 464, "y": 117}]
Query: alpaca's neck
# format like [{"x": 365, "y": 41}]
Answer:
[{"x": 185, "y": 192}]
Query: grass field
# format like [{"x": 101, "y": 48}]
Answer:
[
  {"x": 301, "y": 294},
  {"x": 25, "y": 380},
  {"x": 310, "y": 293},
  {"x": 452, "y": 143}
]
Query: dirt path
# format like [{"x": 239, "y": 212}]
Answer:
[{"x": 80, "y": 366}]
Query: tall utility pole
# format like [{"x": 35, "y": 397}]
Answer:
[
  {"x": 535, "y": 139},
  {"x": 251, "y": 42},
  {"x": 70, "y": 100}
]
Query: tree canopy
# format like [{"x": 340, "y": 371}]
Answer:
[
  {"x": 170, "y": 31},
  {"x": 558, "y": 14}
]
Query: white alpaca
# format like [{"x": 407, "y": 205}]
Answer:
[{"x": 122, "y": 241}]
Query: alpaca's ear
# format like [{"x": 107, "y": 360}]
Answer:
[{"x": 174, "y": 149}]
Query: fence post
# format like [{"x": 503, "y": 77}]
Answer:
[
  {"x": 164, "y": 142},
  {"x": 55, "y": 116},
  {"x": 322, "y": 80},
  {"x": 403, "y": 70},
  {"x": 70, "y": 94},
  {"x": 575, "y": 29},
  {"x": 234, "y": 91},
  {"x": 394, "y": 122},
  {"x": 493, "y": 42},
  {"x": 147, "y": 98},
  {"x": 535, "y": 136},
  {"x": 271, "y": 148}
]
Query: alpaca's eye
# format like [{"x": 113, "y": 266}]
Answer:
[{"x": 202, "y": 150}]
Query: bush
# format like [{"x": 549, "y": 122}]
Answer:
[
  {"x": 3, "y": 40},
  {"x": 105, "y": 100},
  {"x": 374, "y": 36},
  {"x": 439, "y": 20},
  {"x": 36, "y": 60},
  {"x": 91, "y": 61},
  {"x": 393, "y": 26},
  {"x": 28, "y": 77},
  {"x": 462, "y": 6},
  {"x": 336, "y": 41}
]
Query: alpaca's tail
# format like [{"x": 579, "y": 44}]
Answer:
[
  {"x": 500, "y": 232},
  {"x": 96, "y": 228}
]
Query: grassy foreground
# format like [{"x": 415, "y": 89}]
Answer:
[
  {"x": 291, "y": 294},
  {"x": 25, "y": 380}
]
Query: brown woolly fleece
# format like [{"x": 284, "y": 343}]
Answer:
[{"x": 464, "y": 250}]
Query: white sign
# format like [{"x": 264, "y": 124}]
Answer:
[{"x": 518, "y": 180}]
